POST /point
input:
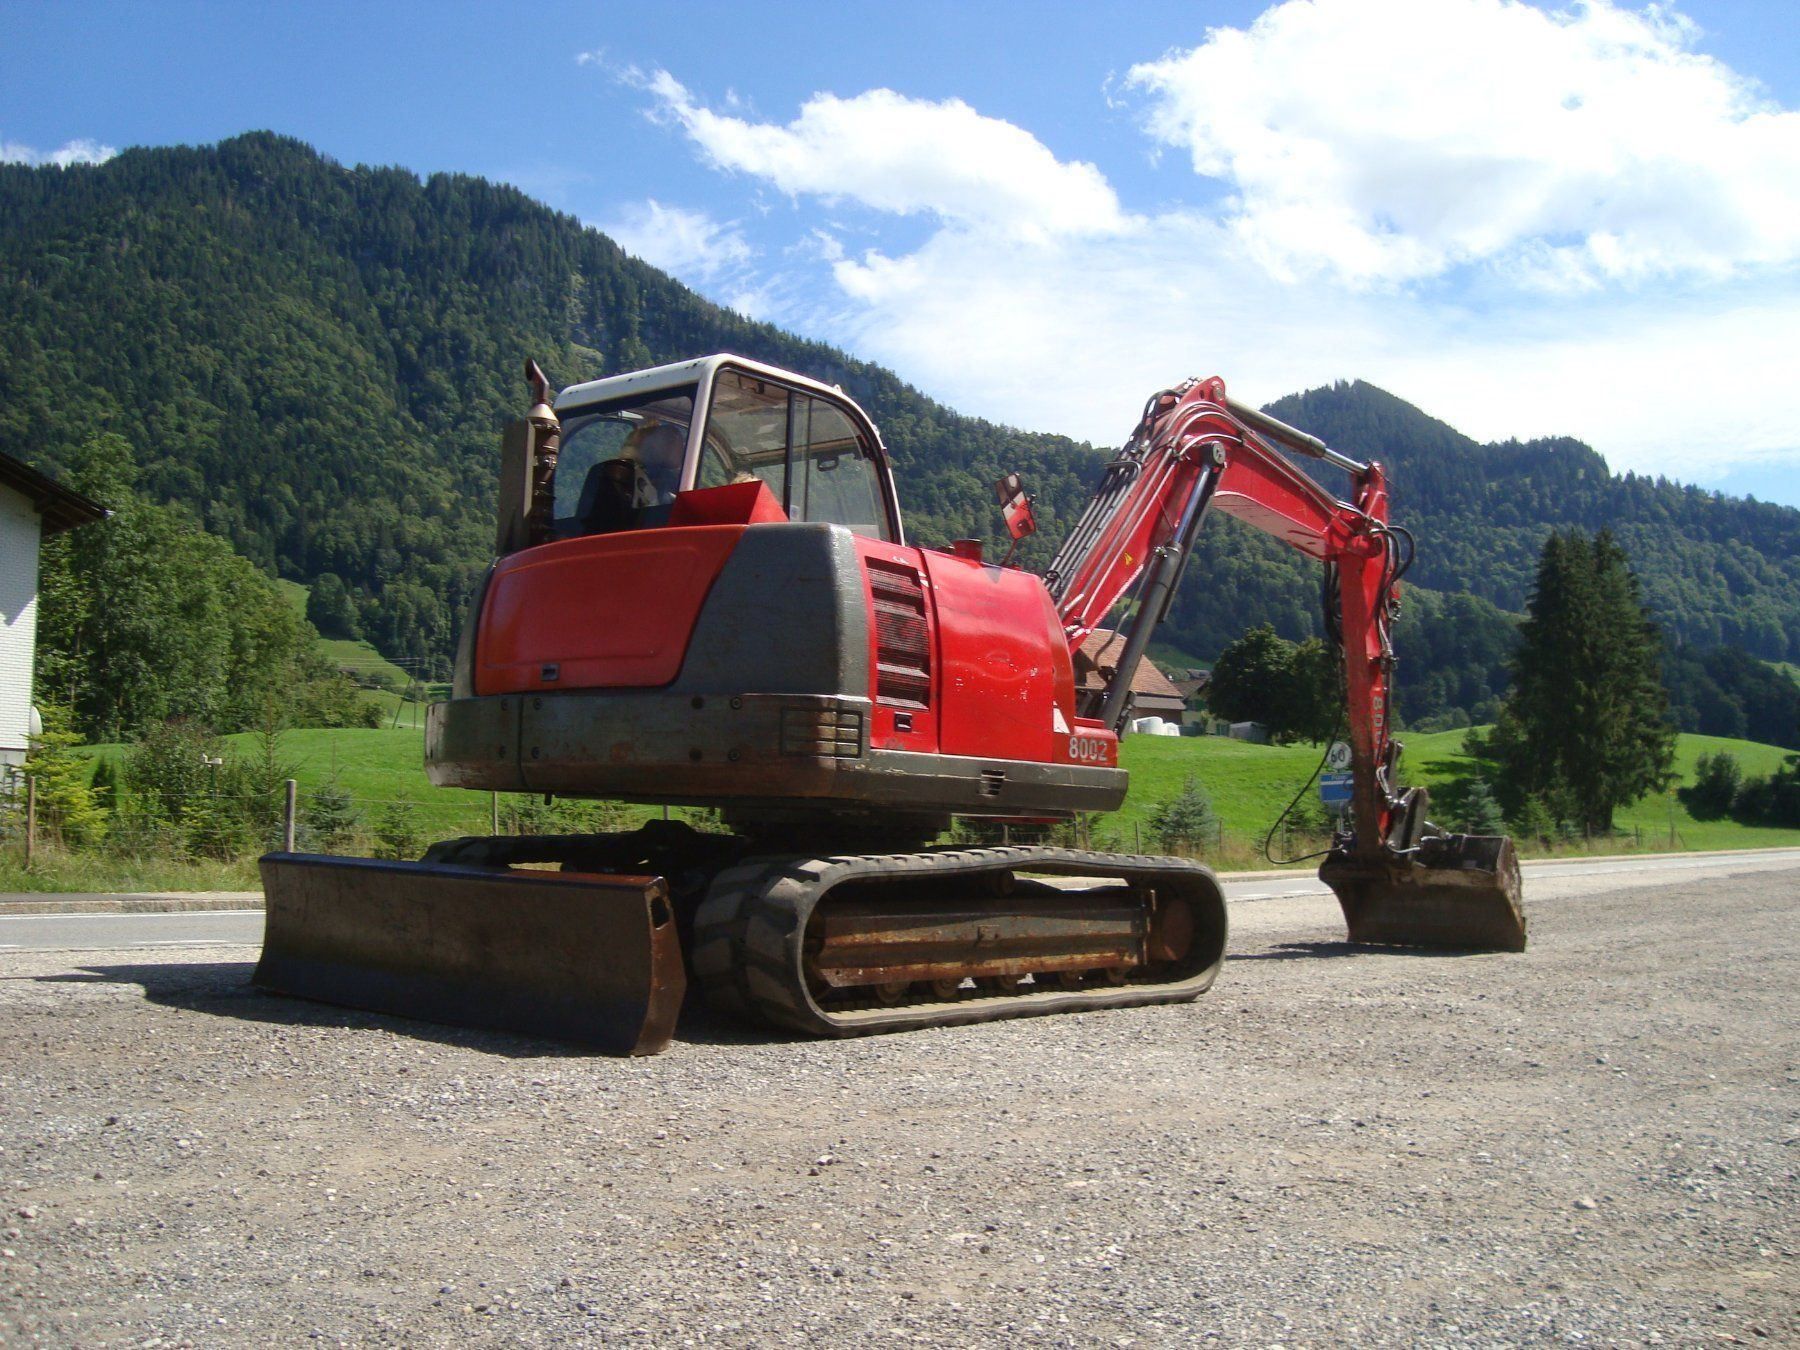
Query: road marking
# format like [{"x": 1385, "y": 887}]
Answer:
[
  {"x": 142, "y": 946},
  {"x": 135, "y": 914},
  {"x": 1276, "y": 895}
]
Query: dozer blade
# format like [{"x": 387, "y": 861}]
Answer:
[
  {"x": 1456, "y": 891},
  {"x": 583, "y": 957}
]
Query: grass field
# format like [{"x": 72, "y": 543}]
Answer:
[
  {"x": 1250, "y": 784},
  {"x": 1247, "y": 784}
]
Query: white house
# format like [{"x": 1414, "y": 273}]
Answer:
[{"x": 32, "y": 505}]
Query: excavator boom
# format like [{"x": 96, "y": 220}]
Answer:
[{"x": 1399, "y": 880}]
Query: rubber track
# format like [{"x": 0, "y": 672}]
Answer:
[{"x": 749, "y": 933}]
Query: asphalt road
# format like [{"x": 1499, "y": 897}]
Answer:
[{"x": 243, "y": 927}]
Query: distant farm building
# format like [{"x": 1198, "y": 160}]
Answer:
[
  {"x": 32, "y": 506},
  {"x": 1152, "y": 693}
]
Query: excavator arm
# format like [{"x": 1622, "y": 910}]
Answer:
[{"x": 1196, "y": 450}]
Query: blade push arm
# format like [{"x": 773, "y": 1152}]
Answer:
[{"x": 1196, "y": 450}]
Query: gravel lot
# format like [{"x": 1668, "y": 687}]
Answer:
[{"x": 1596, "y": 1141}]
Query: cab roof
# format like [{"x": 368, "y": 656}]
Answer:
[{"x": 699, "y": 370}]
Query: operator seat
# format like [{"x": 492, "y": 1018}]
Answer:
[{"x": 608, "y": 494}]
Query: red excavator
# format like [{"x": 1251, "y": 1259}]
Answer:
[{"x": 704, "y": 596}]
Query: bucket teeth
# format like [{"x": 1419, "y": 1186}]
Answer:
[{"x": 1458, "y": 892}]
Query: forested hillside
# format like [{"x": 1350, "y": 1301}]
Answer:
[
  {"x": 1715, "y": 569},
  {"x": 316, "y": 360}
]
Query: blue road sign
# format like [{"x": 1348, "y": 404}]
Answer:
[{"x": 1334, "y": 788}]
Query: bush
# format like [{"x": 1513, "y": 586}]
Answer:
[
  {"x": 1774, "y": 800},
  {"x": 1481, "y": 813},
  {"x": 521, "y": 814},
  {"x": 168, "y": 769},
  {"x": 1186, "y": 820},
  {"x": 329, "y": 821},
  {"x": 213, "y": 828},
  {"x": 1717, "y": 781},
  {"x": 260, "y": 782},
  {"x": 69, "y": 810},
  {"x": 397, "y": 832},
  {"x": 1532, "y": 821}
]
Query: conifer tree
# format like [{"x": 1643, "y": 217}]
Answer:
[
  {"x": 1586, "y": 725},
  {"x": 1185, "y": 820}
]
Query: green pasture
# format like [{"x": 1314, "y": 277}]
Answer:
[
  {"x": 1247, "y": 784},
  {"x": 1250, "y": 784}
]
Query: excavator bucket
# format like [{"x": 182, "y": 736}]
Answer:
[
  {"x": 584, "y": 957},
  {"x": 1456, "y": 891}
]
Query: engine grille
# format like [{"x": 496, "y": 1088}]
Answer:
[{"x": 902, "y": 639}]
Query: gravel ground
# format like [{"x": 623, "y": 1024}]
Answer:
[{"x": 1596, "y": 1141}]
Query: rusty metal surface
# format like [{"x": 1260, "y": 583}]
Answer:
[
  {"x": 1458, "y": 892},
  {"x": 866, "y": 941},
  {"x": 657, "y": 745},
  {"x": 573, "y": 956}
]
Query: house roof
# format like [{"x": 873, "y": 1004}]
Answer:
[
  {"x": 62, "y": 508},
  {"x": 1192, "y": 682},
  {"x": 1098, "y": 658}
]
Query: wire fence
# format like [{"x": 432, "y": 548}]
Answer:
[
  {"x": 235, "y": 822},
  {"x": 329, "y": 819}
]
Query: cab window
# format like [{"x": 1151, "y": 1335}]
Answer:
[
  {"x": 803, "y": 448},
  {"x": 621, "y": 462}
]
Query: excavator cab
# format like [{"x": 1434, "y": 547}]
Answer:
[{"x": 628, "y": 446}]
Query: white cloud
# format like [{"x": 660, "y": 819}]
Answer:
[
  {"x": 1389, "y": 140},
  {"x": 81, "y": 151},
  {"x": 1454, "y": 199},
  {"x": 1073, "y": 337},
  {"x": 906, "y": 156},
  {"x": 687, "y": 244}
]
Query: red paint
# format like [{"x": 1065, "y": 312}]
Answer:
[
  {"x": 607, "y": 611},
  {"x": 1004, "y": 668},
  {"x": 732, "y": 504},
  {"x": 1002, "y": 683},
  {"x": 1092, "y": 742},
  {"x": 894, "y": 726},
  {"x": 617, "y": 611}
]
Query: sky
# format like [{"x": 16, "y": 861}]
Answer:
[{"x": 1527, "y": 220}]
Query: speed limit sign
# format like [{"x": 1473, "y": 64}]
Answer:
[{"x": 1338, "y": 757}]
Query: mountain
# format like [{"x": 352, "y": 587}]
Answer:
[
  {"x": 1715, "y": 569},
  {"x": 316, "y": 360}
]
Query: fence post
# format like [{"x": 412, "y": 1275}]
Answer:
[
  {"x": 1137, "y": 838},
  {"x": 30, "y": 816},
  {"x": 493, "y": 813},
  {"x": 288, "y": 811}
]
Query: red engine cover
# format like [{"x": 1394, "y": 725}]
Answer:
[
  {"x": 575, "y": 614},
  {"x": 1008, "y": 690},
  {"x": 983, "y": 670}
]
